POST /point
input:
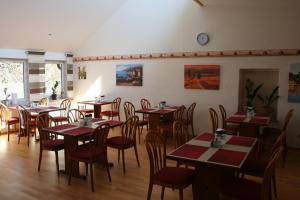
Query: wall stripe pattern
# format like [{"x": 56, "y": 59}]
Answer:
[
  {"x": 70, "y": 74},
  {"x": 168, "y": 55}
]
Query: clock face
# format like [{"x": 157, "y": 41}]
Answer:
[{"x": 202, "y": 38}]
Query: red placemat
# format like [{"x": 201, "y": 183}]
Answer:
[
  {"x": 259, "y": 120},
  {"x": 114, "y": 123},
  {"x": 240, "y": 113},
  {"x": 79, "y": 131},
  {"x": 189, "y": 151},
  {"x": 241, "y": 141},
  {"x": 163, "y": 111},
  {"x": 236, "y": 118},
  {"x": 96, "y": 120},
  {"x": 172, "y": 107},
  {"x": 205, "y": 137},
  {"x": 61, "y": 127},
  {"x": 228, "y": 157},
  {"x": 147, "y": 109},
  {"x": 36, "y": 110}
]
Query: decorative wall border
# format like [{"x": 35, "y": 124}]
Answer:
[{"x": 226, "y": 53}]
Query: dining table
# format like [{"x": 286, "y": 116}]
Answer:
[
  {"x": 71, "y": 133},
  {"x": 249, "y": 125},
  {"x": 156, "y": 114},
  {"x": 97, "y": 106},
  {"x": 212, "y": 163}
]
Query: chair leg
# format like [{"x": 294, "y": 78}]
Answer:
[
  {"x": 92, "y": 176},
  {"x": 19, "y": 136},
  {"x": 181, "y": 194},
  {"x": 274, "y": 184},
  {"x": 284, "y": 154},
  {"x": 57, "y": 162},
  {"x": 123, "y": 160},
  {"x": 149, "y": 190},
  {"x": 107, "y": 169},
  {"x": 86, "y": 169},
  {"x": 139, "y": 132},
  {"x": 162, "y": 192},
  {"x": 28, "y": 137},
  {"x": 40, "y": 159},
  {"x": 8, "y": 132},
  {"x": 118, "y": 155},
  {"x": 70, "y": 175},
  {"x": 136, "y": 155}
]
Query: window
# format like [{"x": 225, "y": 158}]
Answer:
[
  {"x": 53, "y": 73},
  {"x": 11, "y": 79}
]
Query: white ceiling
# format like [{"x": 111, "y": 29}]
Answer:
[{"x": 26, "y": 24}]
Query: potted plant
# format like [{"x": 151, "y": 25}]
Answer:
[
  {"x": 54, "y": 90},
  {"x": 251, "y": 93},
  {"x": 268, "y": 100},
  {"x": 5, "y": 101}
]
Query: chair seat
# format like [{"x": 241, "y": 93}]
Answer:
[
  {"x": 241, "y": 189},
  {"x": 117, "y": 142},
  {"x": 87, "y": 110},
  {"x": 175, "y": 176},
  {"x": 54, "y": 144},
  {"x": 142, "y": 123},
  {"x": 13, "y": 120},
  {"x": 255, "y": 167},
  {"x": 109, "y": 113},
  {"x": 85, "y": 153},
  {"x": 60, "y": 118}
]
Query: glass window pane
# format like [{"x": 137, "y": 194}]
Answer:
[{"x": 53, "y": 74}]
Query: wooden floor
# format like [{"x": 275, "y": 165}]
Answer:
[{"x": 19, "y": 178}]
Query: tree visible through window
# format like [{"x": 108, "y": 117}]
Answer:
[
  {"x": 53, "y": 73},
  {"x": 11, "y": 79}
]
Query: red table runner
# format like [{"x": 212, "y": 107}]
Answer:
[
  {"x": 189, "y": 151},
  {"x": 61, "y": 127},
  {"x": 259, "y": 120},
  {"x": 162, "y": 111},
  {"x": 237, "y": 118},
  {"x": 228, "y": 157},
  {"x": 241, "y": 141},
  {"x": 79, "y": 131},
  {"x": 205, "y": 137}
]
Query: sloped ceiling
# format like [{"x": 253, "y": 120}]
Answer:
[{"x": 52, "y": 25}]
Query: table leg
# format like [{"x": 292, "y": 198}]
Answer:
[
  {"x": 249, "y": 130},
  {"x": 154, "y": 121},
  {"x": 97, "y": 111}
]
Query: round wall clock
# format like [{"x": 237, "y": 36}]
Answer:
[{"x": 202, "y": 38}]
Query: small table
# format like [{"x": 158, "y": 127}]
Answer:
[
  {"x": 38, "y": 109},
  {"x": 249, "y": 126},
  {"x": 155, "y": 115},
  {"x": 211, "y": 162},
  {"x": 97, "y": 106},
  {"x": 71, "y": 133}
]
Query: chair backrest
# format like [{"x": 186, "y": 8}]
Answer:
[
  {"x": 190, "y": 113},
  {"x": 44, "y": 120},
  {"x": 74, "y": 115},
  {"x": 178, "y": 114},
  {"x": 180, "y": 132},
  {"x": 156, "y": 149},
  {"x": 44, "y": 101},
  {"x": 145, "y": 103},
  {"x": 128, "y": 129},
  {"x": 269, "y": 170},
  {"x": 214, "y": 119},
  {"x": 115, "y": 106},
  {"x": 99, "y": 137},
  {"x": 65, "y": 104},
  {"x": 278, "y": 143},
  {"x": 129, "y": 109},
  {"x": 223, "y": 115},
  {"x": 4, "y": 113},
  {"x": 287, "y": 119},
  {"x": 24, "y": 117}
]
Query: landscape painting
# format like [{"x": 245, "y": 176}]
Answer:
[
  {"x": 129, "y": 75},
  {"x": 294, "y": 83},
  {"x": 202, "y": 77}
]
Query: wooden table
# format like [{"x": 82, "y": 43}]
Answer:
[
  {"x": 249, "y": 126},
  {"x": 39, "y": 109},
  {"x": 71, "y": 133},
  {"x": 156, "y": 114},
  {"x": 211, "y": 163},
  {"x": 97, "y": 106}
]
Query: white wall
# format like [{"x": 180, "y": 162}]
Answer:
[{"x": 141, "y": 26}]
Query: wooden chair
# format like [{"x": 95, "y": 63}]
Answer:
[
  {"x": 74, "y": 115},
  {"x": 7, "y": 119},
  {"x": 167, "y": 126},
  {"x": 244, "y": 189},
  {"x": 256, "y": 166},
  {"x": 160, "y": 174},
  {"x": 129, "y": 110},
  {"x": 48, "y": 141},
  {"x": 93, "y": 151},
  {"x": 126, "y": 140},
  {"x": 214, "y": 119},
  {"x": 145, "y": 103},
  {"x": 270, "y": 134},
  {"x": 115, "y": 110},
  {"x": 181, "y": 134},
  {"x": 189, "y": 119},
  {"x": 65, "y": 105},
  {"x": 27, "y": 125},
  {"x": 44, "y": 101},
  {"x": 84, "y": 110},
  {"x": 229, "y": 127}
]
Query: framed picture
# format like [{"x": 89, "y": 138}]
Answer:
[
  {"x": 202, "y": 77},
  {"x": 129, "y": 75},
  {"x": 294, "y": 83}
]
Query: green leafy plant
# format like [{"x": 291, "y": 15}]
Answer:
[
  {"x": 54, "y": 90},
  {"x": 5, "y": 94},
  {"x": 268, "y": 100},
  {"x": 251, "y": 91}
]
